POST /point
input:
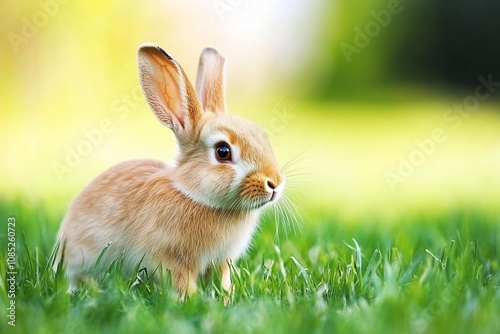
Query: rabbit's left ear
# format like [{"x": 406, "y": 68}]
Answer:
[
  {"x": 168, "y": 91},
  {"x": 210, "y": 81}
]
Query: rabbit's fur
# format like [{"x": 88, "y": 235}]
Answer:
[{"x": 202, "y": 209}]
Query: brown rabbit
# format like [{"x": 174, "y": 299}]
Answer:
[{"x": 202, "y": 209}]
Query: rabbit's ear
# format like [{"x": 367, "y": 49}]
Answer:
[
  {"x": 210, "y": 81},
  {"x": 167, "y": 90}
]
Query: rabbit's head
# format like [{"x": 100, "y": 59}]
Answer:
[{"x": 223, "y": 161}]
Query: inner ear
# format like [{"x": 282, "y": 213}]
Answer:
[
  {"x": 167, "y": 90},
  {"x": 210, "y": 81}
]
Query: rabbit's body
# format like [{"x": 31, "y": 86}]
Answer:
[
  {"x": 203, "y": 209},
  {"x": 133, "y": 206}
]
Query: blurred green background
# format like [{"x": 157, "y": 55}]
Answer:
[{"x": 384, "y": 106}]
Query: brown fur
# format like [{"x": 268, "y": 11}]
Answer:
[{"x": 186, "y": 216}]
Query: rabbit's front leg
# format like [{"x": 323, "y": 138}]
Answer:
[
  {"x": 226, "y": 280},
  {"x": 184, "y": 281}
]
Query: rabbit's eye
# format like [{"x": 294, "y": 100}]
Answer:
[{"x": 223, "y": 152}]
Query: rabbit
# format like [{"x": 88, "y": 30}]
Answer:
[{"x": 201, "y": 210}]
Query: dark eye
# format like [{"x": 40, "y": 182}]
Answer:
[{"x": 223, "y": 152}]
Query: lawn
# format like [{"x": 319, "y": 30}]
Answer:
[
  {"x": 420, "y": 258},
  {"x": 424, "y": 273}
]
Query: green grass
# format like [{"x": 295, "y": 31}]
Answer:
[{"x": 423, "y": 274}]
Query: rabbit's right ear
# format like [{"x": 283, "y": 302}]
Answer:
[
  {"x": 210, "y": 81},
  {"x": 167, "y": 90}
]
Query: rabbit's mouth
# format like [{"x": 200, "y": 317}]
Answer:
[
  {"x": 257, "y": 204},
  {"x": 273, "y": 196},
  {"x": 270, "y": 200}
]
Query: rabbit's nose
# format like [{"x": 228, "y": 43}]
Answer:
[
  {"x": 271, "y": 189},
  {"x": 271, "y": 184}
]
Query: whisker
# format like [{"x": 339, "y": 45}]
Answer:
[
  {"x": 301, "y": 187},
  {"x": 231, "y": 209},
  {"x": 301, "y": 184},
  {"x": 295, "y": 159},
  {"x": 293, "y": 212},
  {"x": 298, "y": 171},
  {"x": 279, "y": 218}
]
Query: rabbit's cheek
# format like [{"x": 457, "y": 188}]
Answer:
[
  {"x": 210, "y": 185},
  {"x": 218, "y": 180}
]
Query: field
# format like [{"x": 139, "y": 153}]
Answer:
[
  {"x": 425, "y": 273},
  {"x": 420, "y": 258}
]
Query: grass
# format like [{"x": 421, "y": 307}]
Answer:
[{"x": 423, "y": 274}]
